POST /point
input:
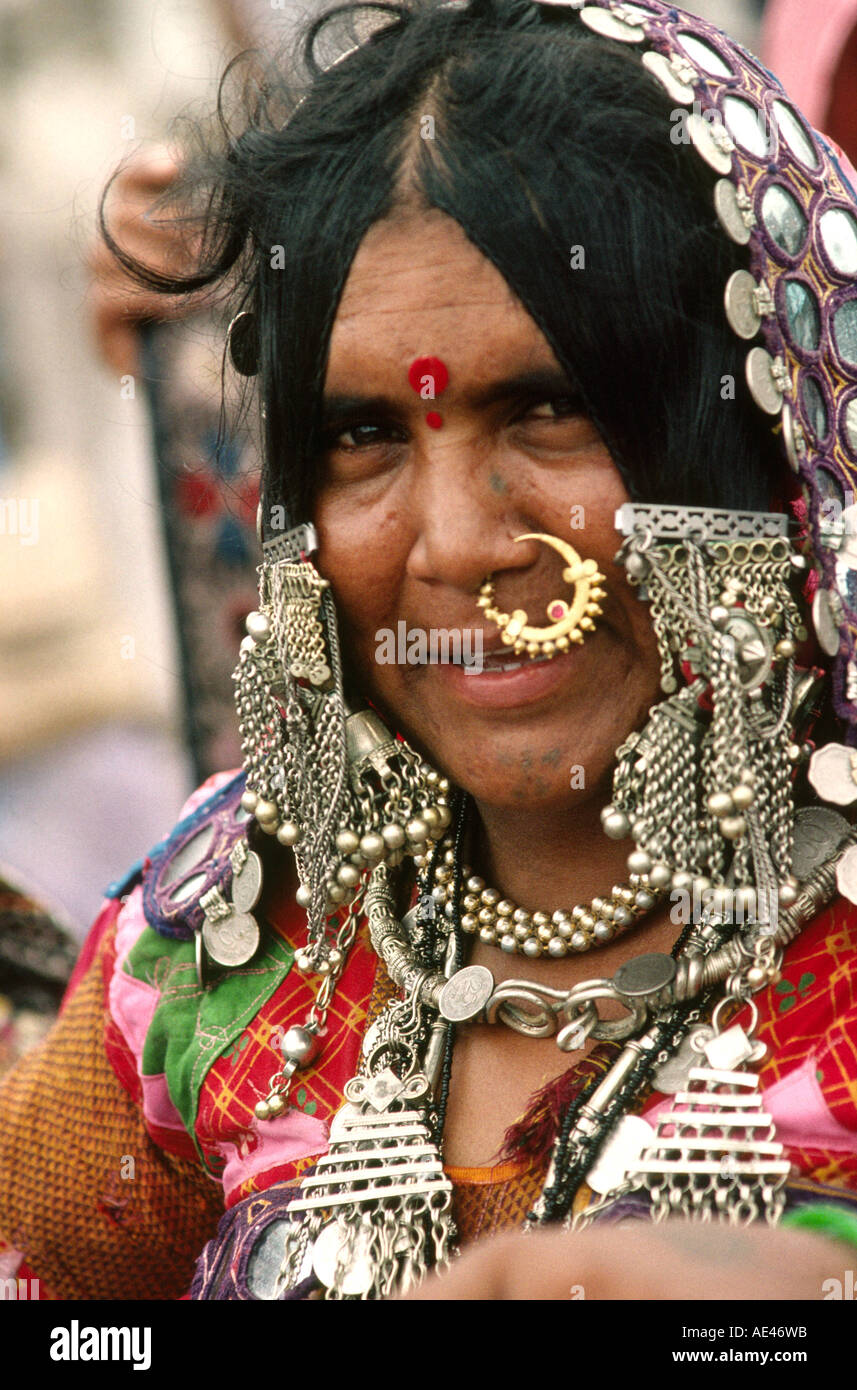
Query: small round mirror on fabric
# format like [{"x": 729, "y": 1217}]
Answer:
[
  {"x": 345, "y": 32},
  {"x": 266, "y": 1257},
  {"x": 188, "y": 888},
  {"x": 747, "y": 125},
  {"x": 193, "y": 851},
  {"x": 705, "y": 55},
  {"x": 784, "y": 220},
  {"x": 830, "y": 523},
  {"x": 838, "y": 231},
  {"x": 794, "y": 134},
  {"x": 845, "y": 331},
  {"x": 814, "y": 409},
  {"x": 802, "y": 314},
  {"x": 849, "y": 424}
]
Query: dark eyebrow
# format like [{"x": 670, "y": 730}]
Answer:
[{"x": 547, "y": 383}]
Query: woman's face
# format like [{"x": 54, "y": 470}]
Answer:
[{"x": 413, "y": 519}]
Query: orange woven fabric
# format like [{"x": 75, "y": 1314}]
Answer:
[
  {"x": 489, "y": 1200},
  {"x": 96, "y": 1209}
]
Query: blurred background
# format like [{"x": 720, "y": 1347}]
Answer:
[{"x": 126, "y": 538}]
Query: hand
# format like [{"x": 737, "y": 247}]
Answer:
[
  {"x": 119, "y": 305},
  {"x": 676, "y": 1260}
]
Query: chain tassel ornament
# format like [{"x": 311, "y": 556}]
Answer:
[
  {"x": 334, "y": 785},
  {"x": 714, "y": 764}
]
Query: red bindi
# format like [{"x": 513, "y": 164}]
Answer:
[{"x": 428, "y": 376}]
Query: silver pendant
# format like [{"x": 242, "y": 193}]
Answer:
[
  {"x": 674, "y": 1074},
  {"x": 846, "y": 874},
  {"x": 715, "y": 1155},
  {"x": 231, "y": 940},
  {"x": 831, "y": 773},
  {"x": 247, "y": 881},
  {"x": 466, "y": 993},
  {"x": 818, "y": 833},
  {"x": 377, "y": 1208},
  {"x": 631, "y": 1137}
]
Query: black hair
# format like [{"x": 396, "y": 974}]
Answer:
[{"x": 546, "y": 139}]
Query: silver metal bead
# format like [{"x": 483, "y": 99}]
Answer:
[
  {"x": 393, "y": 836},
  {"x": 508, "y": 944},
  {"x": 248, "y": 802},
  {"x": 505, "y": 908},
  {"x": 660, "y": 874},
  {"x": 720, "y": 804},
  {"x": 622, "y": 917},
  {"x": 265, "y": 812},
  {"x": 372, "y": 845},
  {"x": 289, "y": 833},
  {"x": 469, "y": 922},
  {"x": 532, "y": 948},
  {"x": 347, "y": 841},
  {"x": 743, "y": 796},
  {"x": 639, "y": 862},
  {"x": 303, "y": 897},
  {"x": 417, "y": 830},
  {"x": 348, "y": 876},
  {"x": 258, "y": 627},
  {"x": 490, "y": 897},
  {"x": 523, "y": 931},
  {"x": 300, "y": 1046},
  {"x": 615, "y": 824},
  {"x": 733, "y": 827},
  {"x": 578, "y": 941},
  {"x": 488, "y": 935},
  {"x": 556, "y": 947},
  {"x": 682, "y": 881},
  {"x": 475, "y": 884},
  {"x": 604, "y": 931},
  {"x": 545, "y": 932},
  {"x": 787, "y": 894}
]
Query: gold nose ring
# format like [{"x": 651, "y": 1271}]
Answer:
[{"x": 569, "y": 622}]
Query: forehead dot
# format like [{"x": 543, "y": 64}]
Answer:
[{"x": 422, "y": 367}]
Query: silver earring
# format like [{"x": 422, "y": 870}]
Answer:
[
  {"x": 331, "y": 783},
  {"x": 705, "y": 789}
]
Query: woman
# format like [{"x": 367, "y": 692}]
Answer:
[{"x": 479, "y": 262}]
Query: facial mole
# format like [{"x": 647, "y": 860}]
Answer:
[{"x": 498, "y": 484}]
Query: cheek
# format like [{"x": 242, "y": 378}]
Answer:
[{"x": 362, "y": 551}]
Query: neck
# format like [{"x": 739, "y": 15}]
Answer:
[{"x": 545, "y": 859}]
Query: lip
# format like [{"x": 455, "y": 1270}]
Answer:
[{"x": 528, "y": 685}]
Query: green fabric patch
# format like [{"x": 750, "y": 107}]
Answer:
[{"x": 192, "y": 1027}]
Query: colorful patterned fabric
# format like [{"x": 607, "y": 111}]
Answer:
[{"x": 88, "y": 1202}]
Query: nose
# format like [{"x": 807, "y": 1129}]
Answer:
[{"x": 465, "y": 515}]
